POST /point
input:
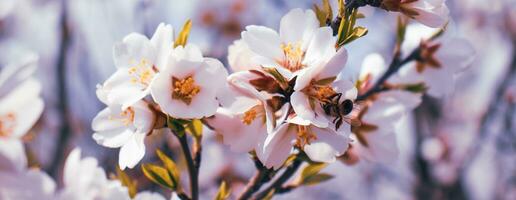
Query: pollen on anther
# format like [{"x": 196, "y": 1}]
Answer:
[{"x": 184, "y": 89}]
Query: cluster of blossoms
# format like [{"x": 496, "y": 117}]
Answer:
[
  {"x": 183, "y": 85},
  {"x": 20, "y": 108},
  {"x": 285, "y": 95},
  {"x": 290, "y": 96}
]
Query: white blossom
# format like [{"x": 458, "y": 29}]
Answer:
[
  {"x": 442, "y": 61},
  {"x": 125, "y": 129},
  {"x": 84, "y": 179},
  {"x": 137, "y": 60},
  {"x": 188, "y": 85},
  {"x": 432, "y": 13},
  {"x": 316, "y": 86},
  {"x": 240, "y": 57},
  {"x": 319, "y": 144},
  {"x": 300, "y": 43}
]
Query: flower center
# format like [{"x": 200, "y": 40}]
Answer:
[
  {"x": 184, "y": 89},
  {"x": 7, "y": 124},
  {"x": 249, "y": 116},
  {"x": 126, "y": 116},
  {"x": 142, "y": 72},
  {"x": 324, "y": 93},
  {"x": 293, "y": 56},
  {"x": 304, "y": 136}
]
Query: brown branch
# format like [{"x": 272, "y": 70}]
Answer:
[
  {"x": 394, "y": 67},
  {"x": 278, "y": 184},
  {"x": 192, "y": 168},
  {"x": 262, "y": 176},
  {"x": 65, "y": 129}
]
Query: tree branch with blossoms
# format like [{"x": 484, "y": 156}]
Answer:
[{"x": 285, "y": 105}]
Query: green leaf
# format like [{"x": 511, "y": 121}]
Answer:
[
  {"x": 171, "y": 167},
  {"x": 224, "y": 191},
  {"x": 312, "y": 169},
  {"x": 195, "y": 128},
  {"x": 415, "y": 88},
  {"x": 127, "y": 182},
  {"x": 182, "y": 38},
  {"x": 310, "y": 174},
  {"x": 358, "y": 32},
  {"x": 326, "y": 81},
  {"x": 317, "y": 178},
  {"x": 324, "y": 13},
  {"x": 158, "y": 175}
]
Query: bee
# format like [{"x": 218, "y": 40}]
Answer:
[{"x": 345, "y": 111}]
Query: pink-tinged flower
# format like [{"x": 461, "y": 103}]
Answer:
[
  {"x": 319, "y": 144},
  {"x": 26, "y": 185},
  {"x": 441, "y": 61},
  {"x": 20, "y": 101},
  {"x": 240, "y": 57},
  {"x": 16, "y": 180},
  {"x": 84, "y": 179},
  {"x": 245, "y": 118},
  {"x": 316, "y": 88},
  {"x": 137, "y": 60},
  {"x": 188, "y": 85},
  {"x": 125, "y": 129},
  {"x": 375, "y": 137},
  {"x": 432, "y": 13},
  {"x": 300, "y": 43}
]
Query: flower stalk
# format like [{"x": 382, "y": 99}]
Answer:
[
  {"x": 262, "y": 176},
  {"x": 278, "y": 184},
  {"x": 193, "y": 168}
]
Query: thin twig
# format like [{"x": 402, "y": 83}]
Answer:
[
  {"x": 278, "y": 184},
  {"x": 394, "y": 67},
  {"x": 262, "y": 176},
  {"x": 192, "y": 169}
]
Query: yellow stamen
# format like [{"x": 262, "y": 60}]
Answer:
[
  {"x": 324, "y": 93},
  {"x": 184, "y": 89},
  {"x": 293, "y": 56},
  {"x": 249, "y": 116},
  {"x": 304, "y": 136},
  {"x": 126, "y": 116},
  {"x": 7, "y": 124},
  {"x": 142, "y": 72}
]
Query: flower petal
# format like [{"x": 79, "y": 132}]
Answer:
[
  {"x": 382, "y": 147},
  {"x": 263, "y": 41},
  {"x": 239, "y": 136},
  {"x": 321, "y": 47},
  {"x": 162, "y": 41},
  {"x": 328, "y": 145},
  {"x": 132, "y": 152},
  {"x": 277, "y": 147},
  {"x": 298, "y": 26},
  {"x": 12, "y": 155},
  {"x": 134, "y": 48}
]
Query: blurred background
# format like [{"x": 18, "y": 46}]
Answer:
[{"x": 459, "y": 147}]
